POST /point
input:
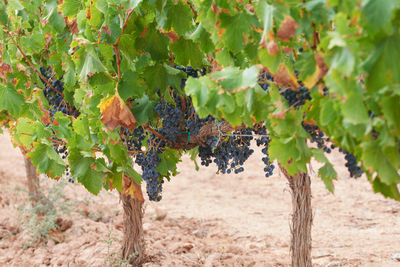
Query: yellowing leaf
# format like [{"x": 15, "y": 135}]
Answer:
[
  {"x": 285, "y": 78},
  {"x": 311, "y": 80},
  {"x": 131, "y": 188},
  {"x": 114, "y": 112}
]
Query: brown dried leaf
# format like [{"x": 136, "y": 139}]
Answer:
[
  {"x": 287, "y": 29},
  {"x": 171, "y": 35},
  {"x": 115, "y": 112},
  {"x": 72, "y": 25},
  {"x": 131, "y": 188},
  {"x": 285, "y": 78},
  {"x": 323, "y": 69},
  {"x": 272, "y": 48},
  {"x": 4, "y": 69}
]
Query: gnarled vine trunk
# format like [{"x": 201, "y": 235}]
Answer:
[
  {"x": 300, "y": 248},
  {"x": 133, "y": 246},
  {"x": 32, "y": 181},
  {"x": 36, "y": 196}
]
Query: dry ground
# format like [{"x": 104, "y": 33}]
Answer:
[{"x": 211, "y": 220}]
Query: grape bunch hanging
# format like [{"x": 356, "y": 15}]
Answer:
[
  {"x": 53, "y": 91},
  {"x": 179, "y": 121},
  {"x": 296, "y": 99}
]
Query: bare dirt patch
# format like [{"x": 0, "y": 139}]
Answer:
[{"x": 207, "y": 219}]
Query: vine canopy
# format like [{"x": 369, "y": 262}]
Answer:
[{"x": 118, "y": 59}]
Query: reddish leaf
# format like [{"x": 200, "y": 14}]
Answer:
[
  {"x": 323, "y": 69},
  {"x": 72, "y": 25},
  {"x": 171, "y": 35},
  {"x": 287, "y": 29},
  {"x": 131, "y": 188},
  {"x": 4, "y": 69},
  {"x": 272, "y": 48},
  {"x": 114, "y": 113}
]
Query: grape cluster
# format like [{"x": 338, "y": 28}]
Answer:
[
  {"x": 296, "y": 98},
  {"x": 263, "y": 80},
  {"x": 351, "y": 164},
  {"x": 190, "y": 71},
  {"x": 325, "y": 91},
  {"x": 149, "y": 161},
  {"x": 176, "y": 119},
  {"x": 264, "y": 140},
  {"x": 54, "y": 94},
  {"x": 171, "y": 117},
  {"x": 232, "y": 152},
  {"x": 317, "y": 136},
  {"x": 133, "y": 139},
  {"x": 61, "y": 149}
]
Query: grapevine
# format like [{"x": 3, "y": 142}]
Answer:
[{"x": 92, "y": 88}]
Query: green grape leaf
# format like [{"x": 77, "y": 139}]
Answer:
[
  {"x": 378, "y": 14},
  {"x": 328, "y": 113},
  {"x": 54, "y": 19},
  {"x": 81, "y": 126},
  {"x": 10, "y": 100},
  {"x": 130, "y": 86},
  {"x": 84, "y": 169},
  {"x": 168, "y": 160},
  {"x": 199, "y": 90},
  {"x": 125, "y": 45},
  {"x": 62, "y": 129},
  {"x": 326, "y": 172},
  {"x": 200, "y": 35},
  {"x": 387, "y": 190},
  {"x": 265, "y": 12},
  {"x": 374, "y": 158},
  {"x": 35, "y": 42},
  {"x": 70, "y": 8},
  {"x": 187, "y": 53},
  {"x": 26, "y": 132},
  {"x": 92, "y": 65},
  {"x": 69, "y": 79},
  {"x": 143, "y": 109},
  {"x": 236, "y": 27},
  {"x": 391, "y": 110},
  {"x": 353, "y": 109},
  {"x": 15, "y": 5},
  {"x": 154, "y": 42},
  {"x": 46, "y": 159},
  {"x": 181, "y": 23},
  {"x": 383, "y": 65},
  {"x": 232, "y": 78}
]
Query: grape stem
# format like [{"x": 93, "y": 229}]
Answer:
[
  {"x": 51, "y": 140},
  {"x": 116, "y": 45},
  {"x": 146, "y": 126}
]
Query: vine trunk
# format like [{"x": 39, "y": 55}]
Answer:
[
  {"x": 300, "y": 248},
  {"x": 133, "y": 245},
  {"x": 32, "y": 181}
]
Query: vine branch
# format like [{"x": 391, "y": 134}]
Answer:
[{"x": 116, "y": 45}]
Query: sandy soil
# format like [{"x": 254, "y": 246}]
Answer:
[{"x": 206, "y": 219}]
